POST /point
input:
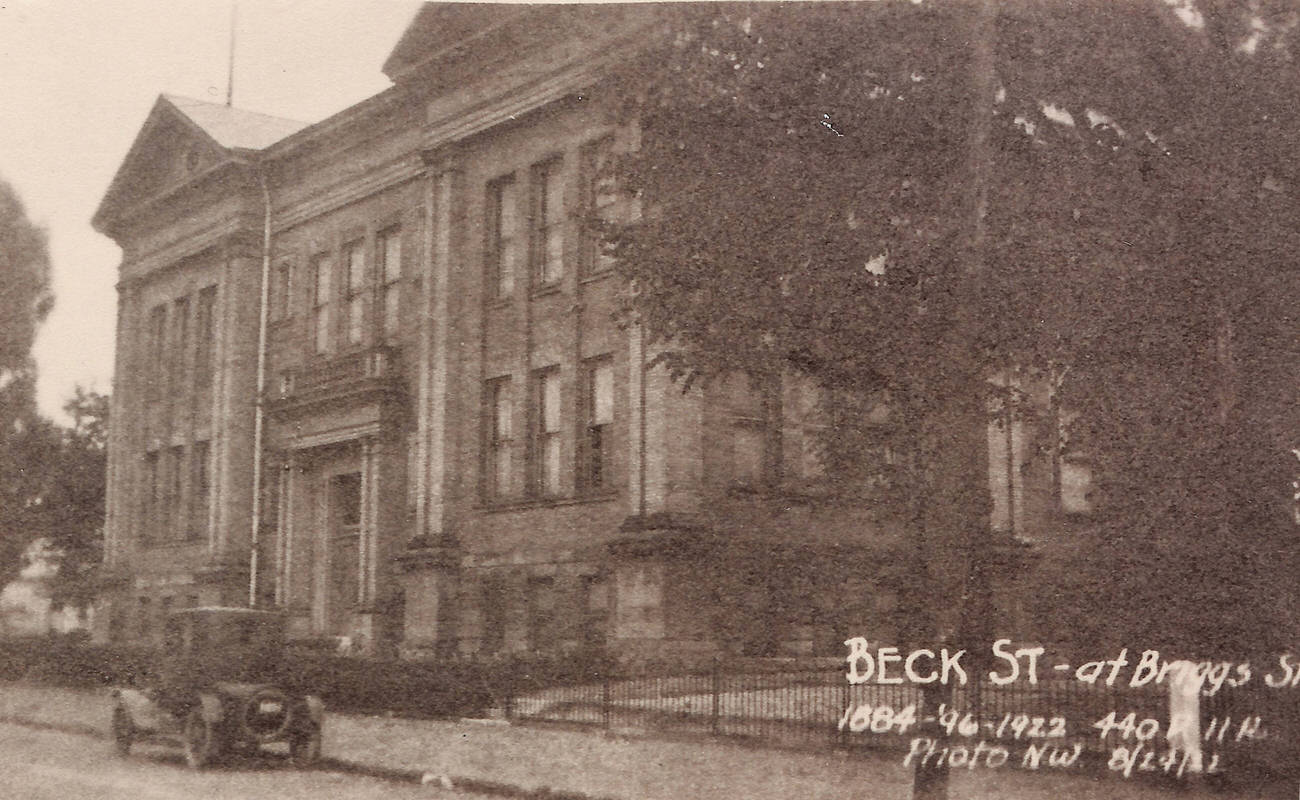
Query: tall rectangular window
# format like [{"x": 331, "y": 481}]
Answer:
[
  {"x": 175, "y": 522},
  {"x": 499, "y": 439},
  {"x": 149, "y": 501},
  {"x": 598, "y": 417},
  {"x": 282, "y": 292},
  {"x": 157, "y": 352},
  {"x": 345, "y": 544},
  {"x": 546, "y": 454},
  {"x": 503, "y": 235},
  {"x": 390, "y": 256},
  {"x": 492, "y": 612},
  {"x": 541, "y": 613},
  {"x": 180, "y": 355},
  {"x": 205, "y": 332},
  {"x": 599, "y": 201},
  {"x": 354, "y": 255},
  {"x": 144, "y": 617},
  {"x": 321, "y": 303},
  {"x": 547, "y": 228},
  {"x": 200, "y": 491}
]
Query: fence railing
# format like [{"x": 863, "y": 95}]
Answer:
[{"x": 816, "y": 707}]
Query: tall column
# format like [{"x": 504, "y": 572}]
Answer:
[
  {"x": 437, "y": 364},
  {"x": 429, "y": 574},
  {"x": 236, "y": 320},
  {"x": 284, "y": 532},
  {"x": 365, "y": 544}
]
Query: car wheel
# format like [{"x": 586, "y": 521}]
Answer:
[
  {"x": 123, "y": 731},
  {"x": 202, "y": 743},
  {"x": 305, "y": 746}
]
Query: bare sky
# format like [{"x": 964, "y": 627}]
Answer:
[{"x": 78, "y": 77}]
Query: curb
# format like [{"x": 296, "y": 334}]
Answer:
[
  {"x": 360, "y": 768},
  {"x": 57, "y": 727},
  {"x": 478, "y": 785}
]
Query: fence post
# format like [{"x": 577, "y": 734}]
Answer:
[
  {"x": 842, "y": 732},
  {"x": 510, "y": 696},
  {"x": 716, "y": 713},
  {"x": 604, "y": 698}
]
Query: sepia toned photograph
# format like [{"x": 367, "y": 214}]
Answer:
[{"x": 886, "y": 400}]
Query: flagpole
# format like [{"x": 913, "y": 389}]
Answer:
[{"x": 230, "y": 61}]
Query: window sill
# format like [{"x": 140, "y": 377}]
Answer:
[
  {"x": 523, "y": 504},
  {"x": 547, "y": 289},
  {"x": 597, "y": 275},
  {"x": 172, "y": 544}
]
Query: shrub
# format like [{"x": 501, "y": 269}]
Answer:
[
  {"x": 369, "y": 686},
  {"x": 71, "y": 661}
]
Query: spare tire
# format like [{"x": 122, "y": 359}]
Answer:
[{"x": 266, "y": 716}]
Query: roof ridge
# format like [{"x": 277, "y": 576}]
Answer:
[{"x": 173, "y": 98}]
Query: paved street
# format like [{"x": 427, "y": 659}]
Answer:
[
  {"x": 516, "y": 760},
  {"x": 45, "y": 765}
]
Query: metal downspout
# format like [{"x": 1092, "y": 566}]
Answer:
[{"x": 258, "y": 412}]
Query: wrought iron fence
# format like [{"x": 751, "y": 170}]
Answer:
[{"x": 814, "y": 706}]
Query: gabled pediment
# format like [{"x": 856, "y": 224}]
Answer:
[{"x": 181, "y": 141}]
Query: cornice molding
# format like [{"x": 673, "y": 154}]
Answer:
[
  {"x": 117, "y": 223},
  {"x": 347, "y": 191},
  {"x": 229, "y": 234}
]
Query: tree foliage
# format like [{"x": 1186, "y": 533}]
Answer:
[
  {"x": 25, "y": 300},
  {"x": 1112, "y": 210},
  {"x": 59, "y": 494}
]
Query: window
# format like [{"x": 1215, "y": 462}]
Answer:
[
  {"x": 1008, "y": 455},
  {"x": 497, "y": 468},
  {"x": 206, "y": 334},
  {"x": 541, "y": 612},
  {"x": 598, "y": 415},
  {"x": 591, "y": 600},
  {"x": 390, "y": 255},
  {"x": 180, "y": 342},
  {"x": 546, "y": 433},
  {"x": 1076, "y": 486},
  {"x": 493, "y": 613},
  {"x": 355, "y": 257},
  {"x": 144, "y": 619},
  {"x": 748, "y": 442},
  {"x": 149, "y": 501},
  {"x": 157, "y": 352},
  {"x": 282, "y": 292},
  {"x": 320, "y": 313},
  {"x": 547, "y": 231},
  {"x": 171, "y": 637},
  {"x": 804, "y": 396},
  {"x": 599, "y": 201},
  {"x": 503, "y": 236},
  {"x": 174, "y": 524},
  {"x": 345, "y": 553},
  {"x": 200, "y": 491}
]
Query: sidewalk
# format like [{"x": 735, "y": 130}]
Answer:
[{"x": 523, "y": 761}]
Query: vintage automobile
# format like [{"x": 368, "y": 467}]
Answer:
[{"x": 218, "y": 687}]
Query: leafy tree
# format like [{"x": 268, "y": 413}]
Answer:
[
  {"x": 60, "y": 493},
  {"x": 911, "y": 199},
  {"x": 25, "y": 300},
  {"x": 76, "y": 497}
]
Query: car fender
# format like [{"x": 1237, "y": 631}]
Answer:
[
  {"x": 315, "y": 709},
  {"x": 139, "y": 707},
  {"x": 211, "y": 707}
]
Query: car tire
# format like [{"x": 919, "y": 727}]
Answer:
[
  {"x": 123, "y": 731},
  {"x": 201, "y": 738},
  {"x": 305, "y": 747}
]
